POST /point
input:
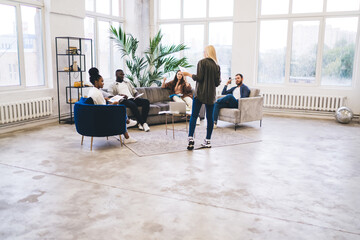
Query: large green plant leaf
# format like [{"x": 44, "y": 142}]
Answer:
[{"x": 158, "y": 60}]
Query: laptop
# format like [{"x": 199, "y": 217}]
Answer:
[{"x": 177, "y": 107}]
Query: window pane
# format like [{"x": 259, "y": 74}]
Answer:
[
  {"x": 103, "y": 6},
  {"x": 115, "y": 8},
  {"x": 9, "y": 65},
  {"x": 89, "y": 5},
  {"x": 194, "y": 40},
  {"x": 104, "y": 49},
  {"x": 307, "y": 6},
  {"x": 221, "y": 8},
  {"x": 169, "y": 9},
  {"x": 171, "y": 35},
  {"x": 274, "y": 7},
  {"x": 304, "y": 51},
  {"x": 343, "y": 5},
  {"x": 272, "y": 51},
  {"x": 32, "y": 35},
  {"x": 339, "y": 50},
  {"x": 220, "y": 35},
  {"x": 194, "y": 9},
  {"x": 89, "y": 25}
]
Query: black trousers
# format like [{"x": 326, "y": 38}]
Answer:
[{"x": 134, "y": 104}]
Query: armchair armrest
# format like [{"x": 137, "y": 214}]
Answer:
[{"x": 251, "y": 108}]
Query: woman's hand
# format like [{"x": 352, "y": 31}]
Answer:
[
  {"x": 115, "y": 103},
  {"x": 186, "y": 74},
  {"x": 164, "y": 79}
]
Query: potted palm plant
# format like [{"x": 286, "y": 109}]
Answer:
[{"x": 157, "y": 61}]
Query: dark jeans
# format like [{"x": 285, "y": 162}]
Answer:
[
  {"x": 133, "y": 105},
  {"x": 229, "y": 101},
  {"x": 195, "y": 114}
]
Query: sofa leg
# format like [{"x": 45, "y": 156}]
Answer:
[
  {"x": 82, "y": 139},
  {"x": 92, "y": 138},
  {"x": 235, "y": 126},
  {"x": 260, "y": 122},
  {"x": 120, "y": 140}
]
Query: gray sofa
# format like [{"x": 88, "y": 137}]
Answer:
[
  {"x": 249, "y": 109},
  {"x": 159, "y": 101}
]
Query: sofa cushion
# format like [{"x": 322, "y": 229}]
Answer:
[
  {"x": 142, "y": 90},
  {"x": 157, "y": 94},
  {"x": 164, "y": 106},
  {"x": 254, "y": 92}
]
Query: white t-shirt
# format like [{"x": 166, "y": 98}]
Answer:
[
  {"x": 237, "y": 93},
  {"x": 122, "y": 88},
  {"x": 97, "y": 96}
]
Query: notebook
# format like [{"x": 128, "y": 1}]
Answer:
[{"x": 177, "y": 107}]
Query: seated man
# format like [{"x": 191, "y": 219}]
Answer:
[
  {"x": 126, "y": 89},
  {"x": 232, "y": 96}
]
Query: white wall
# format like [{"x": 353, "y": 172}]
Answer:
[
  {"x": 61, "y": 18},
  {"x": 244, "y": 59}
]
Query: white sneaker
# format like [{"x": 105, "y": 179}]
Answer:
[
  {"x": 140, "y": 127},
  {"x": 130, "y": 140},
  {"x": 131, "y": 123},
  {"x": 146, "y": 127},
  {"x": 198, "y": 121}
]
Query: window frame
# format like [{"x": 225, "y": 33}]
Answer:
[
  {"x": 291, "y": 18},
  {"x": 106, "y": 18},
  {"x": 191, "y": 21},
  {"x": 20, "y": 45}
]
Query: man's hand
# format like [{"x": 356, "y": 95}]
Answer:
[
  {"x": 229, "y": 81},
  {"x": 125, "y": 97}
]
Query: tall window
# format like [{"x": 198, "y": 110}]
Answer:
[
  {"x": 21, "y": 46},
  {"x": 100, "y": 15},
  {"x": 197, "y": 24},
  {"x": 309, "y": 42}
]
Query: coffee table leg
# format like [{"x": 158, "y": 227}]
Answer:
[
  {"x": 172, "y": 116},
  {"x": 166, "y": 123}
]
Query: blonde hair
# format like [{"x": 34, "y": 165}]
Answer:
[{"x": 211, "y": 53}]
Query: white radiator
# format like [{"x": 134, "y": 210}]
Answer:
[
  {"x": 303, "y": 102},
  {"x": 23, "y": 110}
]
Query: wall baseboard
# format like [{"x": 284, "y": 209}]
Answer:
[{"x": 22, "y": 125}]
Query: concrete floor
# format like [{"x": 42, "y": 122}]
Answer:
[{"x": 302, "y": 181}]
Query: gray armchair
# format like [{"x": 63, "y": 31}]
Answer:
[{"x": 249, "y": 109}]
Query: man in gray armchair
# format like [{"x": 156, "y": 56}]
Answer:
[{"x": 232, "y": 96}]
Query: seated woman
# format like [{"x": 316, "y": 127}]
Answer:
[
  {"x": 97, "y": 96},
  {"x": 180, "y": 90}
]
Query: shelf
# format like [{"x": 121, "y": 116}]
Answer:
[{"x": 71, "y": 48}]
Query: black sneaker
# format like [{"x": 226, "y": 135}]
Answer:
[
  {"x": 191, "y": 143},
  {"x": 206, "y": 143}
]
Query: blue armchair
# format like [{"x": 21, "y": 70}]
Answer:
[{"x": 99, "y": 120}]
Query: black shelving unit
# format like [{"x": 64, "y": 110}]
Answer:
[{"x": 69, "y": 50}]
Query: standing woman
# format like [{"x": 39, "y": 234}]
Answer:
[{"x": 207, "y": 78}]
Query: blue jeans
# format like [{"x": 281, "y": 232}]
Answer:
[
  {"x": 195, "y": 114},
  {"x": 229, "y": 101}
]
